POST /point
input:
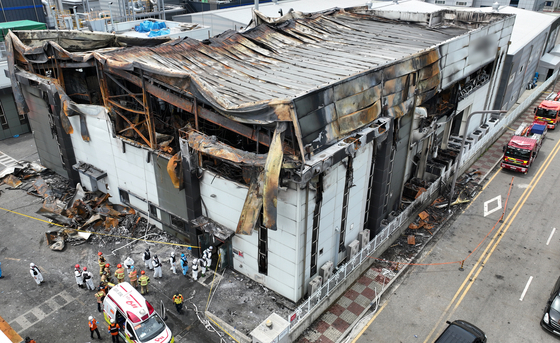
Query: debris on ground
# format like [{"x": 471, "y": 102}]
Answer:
[{"x": 77, "y": 209}]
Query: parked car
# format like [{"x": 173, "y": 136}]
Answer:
[
  {"x": 551, "y": 317},
  {"x": 460, "y": 331}
]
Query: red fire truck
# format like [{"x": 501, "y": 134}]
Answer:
[
  {"x": 524, "y": 146},
  {"x": 549, "y": 110}
]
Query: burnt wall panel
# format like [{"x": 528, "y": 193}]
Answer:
[
  {"x": 169, "y": 197},
  {"x": 43, "y": 132}
]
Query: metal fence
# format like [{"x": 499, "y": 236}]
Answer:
[{"x": 341, "y": 274}]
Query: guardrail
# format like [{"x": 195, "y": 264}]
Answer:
[{"x": 342, "y": 273}]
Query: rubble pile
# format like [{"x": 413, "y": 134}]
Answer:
[{"x": 78, "y": 210}]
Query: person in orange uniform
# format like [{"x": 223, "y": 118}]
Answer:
[
  {"x": 93, "y": 327},
  {"x": 114, "y": 330},
  {"x": 119, "y": 273},
  {"x": 133, "y": 277},
  {"x": 29, "y": 340}
]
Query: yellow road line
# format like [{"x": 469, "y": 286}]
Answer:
[
  {"x": 99, "y": 233},
  {"x": 370, "y": 321},
  {"x": 497, "y": 237}
]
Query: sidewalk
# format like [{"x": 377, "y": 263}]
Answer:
[{"x": 334, "y": 323}]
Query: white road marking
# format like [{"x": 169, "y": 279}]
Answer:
[
  {"x": 498, "y": 199},
  {"x": 7, "y": 161},
  {"x": 39, "y": 314},
  {"x": 526, "y": 288},
  {"x": 523, "y": 185},
  {"x": 550, "y": 237}
]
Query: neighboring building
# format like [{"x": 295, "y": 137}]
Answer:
[
  {"x": 12, "y": 123},
  {"x": 237, "y": 18},
  {"x": 283, "y": 143},
  {"x": 531, "y": 50},
  {"x": 531, "y": 5}
]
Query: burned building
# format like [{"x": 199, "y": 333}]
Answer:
[{"x": 284, "y": 142}]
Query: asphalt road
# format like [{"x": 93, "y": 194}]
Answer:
[{"x": 509, "y": 271}]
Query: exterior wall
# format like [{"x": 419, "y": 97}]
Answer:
[
  {"x": 15, "y": 127},
  {"x": 463, "y": 56},
  {"x": 216, "y": 23},
  {"x": 518, "y": 72},
  {"x": 39, "y": 120},
  {"x": 476, "y": 103},
  {"x": 127, "y": 170}
]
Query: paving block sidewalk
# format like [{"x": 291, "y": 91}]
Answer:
[{"x": 332, "y": 324}]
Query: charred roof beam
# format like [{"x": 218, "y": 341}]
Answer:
[{"x": 187, "y": 105}]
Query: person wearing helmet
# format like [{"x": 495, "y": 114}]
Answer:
[
  {"x": 157, "y": 267},
  {"x": 88, "y": 278},
  {"x": 133, "y": 276},
  {"x": 78, "y": 275},
  {"x": 114, "y": 331},
  {"x": 209, "y": 257},
  {"x": 35, "y": 273},
  {"x": 172, "y": 261},
  {"x": 128, "y": 264},
  {"x": 100, "y": 296},
  {"x": 195, "y": 269},
  {"x": 93, "y": 327},
  {"x": 144, "y": 281},
  {"x": 184, "y": 264},
  {"x": 107, "y": 269},
  {"x": 29, "y": 340},
  {"x": 148, "y": 259},
  {"x": 119, "y": 273},
  {"x": 178, "y": 301},
  {"x": 101, "y": 261}
]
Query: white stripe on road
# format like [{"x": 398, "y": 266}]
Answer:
[
  {"x": 7, "y": 160},
  {"x": 549, "y": 238},
  {"x": 526, "y": 288},
  {"x": 39, "y": 314}
]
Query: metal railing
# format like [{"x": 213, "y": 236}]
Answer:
[{"x": 343, "y": 271}]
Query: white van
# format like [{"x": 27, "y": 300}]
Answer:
[{"x": 138, "y": 320}]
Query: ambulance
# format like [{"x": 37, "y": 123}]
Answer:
[{"x": 138, "y": 320}]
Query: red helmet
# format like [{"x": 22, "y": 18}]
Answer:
[
  {"x": 77, "y": 266},
  {"x": 99, "y": 253},
  {"x": 119, "y": 265},
  {"x": 142, "y": 272},
  {"x": 107, "y": 265},
  {"x": 85, "y": 269}
]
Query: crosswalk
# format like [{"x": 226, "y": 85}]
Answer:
[
  {"x": 40, "y": 312},
  {"x": 7, "y": 160}
]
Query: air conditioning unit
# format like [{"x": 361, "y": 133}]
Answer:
[
  {"x": 477, "y": 134},
  {"x": 326, "y": 271},
  {"x": 314, "y": 285},
  {"x": 353, "y": 249},
  {"x": 484, "y": 129},
  {"x": 363, "y": 237}
]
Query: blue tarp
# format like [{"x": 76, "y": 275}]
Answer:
[
  {"x": 148, "y": 26},
  {"x": 157, "y": 33}
]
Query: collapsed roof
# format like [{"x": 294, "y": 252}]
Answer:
[{"x": 290, "y": 87}]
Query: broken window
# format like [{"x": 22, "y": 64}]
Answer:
[
  {"x": 345, "y": 199},
  {"x": 316, "y": 224},
  {"x": 124, "y": 196},
  {"x": 3, "y": 120},
  {"x": 263, "y": 250},
  {"x": 153, "y": 211}
]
